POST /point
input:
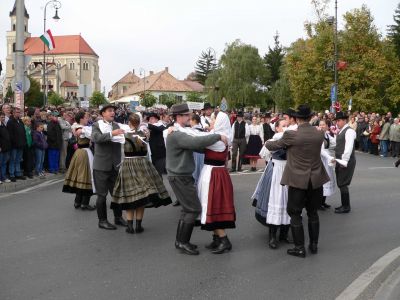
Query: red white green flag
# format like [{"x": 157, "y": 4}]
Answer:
[{"x": 48, "y": 40}]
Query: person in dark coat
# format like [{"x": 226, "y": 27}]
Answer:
[
  {"x": 55, "y": 142},
  {"x": 5, "y": 148},
  {"x": 40, "y": 145},
  {"x": 16, "y": 130},
  {"x": 156, "y": 142}
]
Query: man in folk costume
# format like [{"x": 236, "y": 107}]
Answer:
[
  {"x": 305, "y": 175},
  {"x": 345, "y": 160},
  {"x": 267, "y": 129},
  {"x": 156, "y": 142},
  {"x": 206, "y": 116},
  {"x": 108, "y": 137},
  {"x": 240, "y": 135},
  {"x": 180, "y": 166}
]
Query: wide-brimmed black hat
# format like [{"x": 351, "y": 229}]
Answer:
[
  {"x": 240, "y": 114},
  {"x": 180, "y": 109},
  {"x": 341, "y": 115},
  {"x": 103, "y": 109},
  {"x": 154, "y": 115},
  {"x": 267, "y": 115},
  {"x": 207, "y": 106},
  {"x": 303, "y": 112}
]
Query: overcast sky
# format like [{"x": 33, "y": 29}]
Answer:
[{"x": 153, "y": 34}]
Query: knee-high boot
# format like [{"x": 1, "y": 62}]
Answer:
[
  {"x": 313, "y": 233},
  {"x": 298, "y": 237},
  {"x": 78, "y": 201},
  {"x": 345, "y": 208},
  {"x": 273, "y": 243},
  {"x": 183, "y": 238},
  {"x": 284, "y": 234}
]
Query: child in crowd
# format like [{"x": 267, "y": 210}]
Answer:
[{"x": 40, "y": 145}]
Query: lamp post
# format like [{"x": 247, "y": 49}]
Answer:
[
  {"x": 143, "y": 71},
  {"x": 334, "y": 21},
  {"x": 56, "y": 5}
]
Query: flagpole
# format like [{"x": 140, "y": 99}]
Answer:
[{"x": 56, "y": 6}]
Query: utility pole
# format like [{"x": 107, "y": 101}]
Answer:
[
  {"x": 336, "y": 53},
  {"x": 19, "y": 55}
]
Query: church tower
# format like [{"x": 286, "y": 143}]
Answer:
[{"x": 11, "y": 37}]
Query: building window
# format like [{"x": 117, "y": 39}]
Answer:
[
  {"x": 124, "y": 88},
  {"x": 26, "y": 28},
  {"x": 32, "y": 66},
  {"x": 12, "y": 66},
  {"x": 72, "y": 65},
  {"x": 86, "y": 65},
  {"x": 58, "y": 65},
  {"x": 13, "y": 50},
  {"x": 178, "y": 99},
  {"x": 13, "y": 27}
]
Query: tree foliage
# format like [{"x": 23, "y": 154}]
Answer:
[
  {"x": 281, "y": 94},
  {"x": 168, "y": 99},
  {"x": 394, "y": 31},
  {"x": 241, "y": 77},
  {"x": 274, "y": 59},
  {"x": 97, "y": 99},
  {"x": 55, "y": 99},
  {"x": 34, "y": 97},
  {"x": 148, "y": 100},
  {"x": 205, "y": 65},
  {"x": 194, "y": 97}
]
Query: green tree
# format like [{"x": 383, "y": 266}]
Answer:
[
  {"x": 205, "y": 65},
  {"x": 281, "y": 94},
  {"x": 98, "y": 99},
  {"x": 394, "y": 31},
  {"x": 34, "y": 97},
  {"x": 241, "y": 78},
  {"x": 55, "y": 99},
  {"x": 9, "y": 94},
  {"x": 194, "y": 97},
  {"x": 148, "y": 100},
  {"x": 274, "y": 60},
  {"x": 168, "y": 99}
]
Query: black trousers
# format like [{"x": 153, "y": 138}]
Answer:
[
  {"x": 104, "y": 182},
  {"x": 159, "y": 164},
  {"x": 310, "y": 199},
  {"x": 238, "y": 144},
  {"x": 28, "y": 163},
  {"x": 186, "y": 193}
]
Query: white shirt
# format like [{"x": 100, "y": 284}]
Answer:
[
  {"x": 257, "y": 130},
  {"x": 247, "y": 134},
  {"x": 205, "y": 121},
  {"x": 349, "y": 144}
]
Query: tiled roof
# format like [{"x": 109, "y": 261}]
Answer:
[
  {"x": 68, "y": 84},
  {"x": 158, "y": 82},
  {"x": 129, "y": 78},
  {"x": 64, "y": 44},
  {"x": 194, "y": 85}
]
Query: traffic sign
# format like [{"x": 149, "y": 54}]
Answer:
[{"x": 224, "y": 104}]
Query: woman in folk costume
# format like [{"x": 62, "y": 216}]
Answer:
[
  {"x": 254, "y": 144},
  {"x": 79, "y": 177},
  {"x": 270, "y": 197},
  {"x": 328, "y": 147},
  {"x": 138, "y": 183},
  {"x": 215, "y": 190}
]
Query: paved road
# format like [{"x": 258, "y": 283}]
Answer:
[{"x": 48, "y": 250}]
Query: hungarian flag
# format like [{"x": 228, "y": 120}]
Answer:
[{"x": 48, "y": 40}]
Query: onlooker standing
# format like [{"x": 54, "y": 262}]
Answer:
[
  {"x": 6, "y": 109},
  {"x": 394, "y": 135},
  {"x": 240, "y": 134},
  {"x": 16, "y": 130},
  {"x": 374, "y": 137},
  {"x": 384, "y": 137},
  {"x": 29, "y": 151},
  {"x": 55, "y": 142},
  {"x": 65, "y": 123},
  {"x": 40, "y": 146},
  {"x": 5, "y": 147}
]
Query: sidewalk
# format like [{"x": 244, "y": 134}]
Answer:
[{"x": 11, "y": 187}]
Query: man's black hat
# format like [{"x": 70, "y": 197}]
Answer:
[
  {"x": 240, "y": 114},
  {"x": 180, "y": 109},
  {"x": 290, "y": 112},
  {"x": 103, "y": 109},
  {"x": 207, "y": 106},
  {"x": 341, "y": 115},
  {"x": 303, "y": 112},
  {"x": 154, "y": 115}
]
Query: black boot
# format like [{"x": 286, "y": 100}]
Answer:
[
  {"x": 215, "y": 242},
  {"x": 273, "y": 243},
  {"x": 139, "y": 228},
  {"x": 179, "y": 228},
  {"x": 324, "y": 205},
  {"x": 397, "y": 163},
  {"x": 298, "y": 237},
  {"x": 104, "y": 224},
  {"x": 313, "y": 233},
  {"x": 120, "y": 221},
  {"x": 345, "y": 208},
  {"x": 130, "y": 229},
  {"x": 284, "y": 234},
  {"x": 78, "y": 201},
  {"x": 240, "y": 165},
  {"x": 176, "y": 203},
  {"x": 224, "y": 245},
  {"x": 184, "y": 234},
  {"x": 85, "y": 203}
]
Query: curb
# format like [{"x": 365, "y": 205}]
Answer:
[
  {"x": 369, "y": 282},
  {"x": 23, "y": 184},
  {"x": 390, "y": 289}
]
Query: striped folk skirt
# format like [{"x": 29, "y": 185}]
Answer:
[{"x": 139, "y": 184}]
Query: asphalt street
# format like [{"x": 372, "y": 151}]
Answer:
[{"x": 49, "y": 250}]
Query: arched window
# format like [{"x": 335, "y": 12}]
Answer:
[
  {"x": 13, "y": 27},
  {"x": 58, "y": 65},
  {"x": 13, "y": 49},
  {"x": 72, "y": 65},
  {"x": 85, "y": 65},
  {"x": 12, "y": 66}
]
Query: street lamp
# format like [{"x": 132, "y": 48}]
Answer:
[
  {"x": 334, "y": 21},
  {"x": 56, "y": 5}
]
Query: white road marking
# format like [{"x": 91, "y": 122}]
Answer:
[
  {"x": 376, "y": 168},
  {"x": 32, "y": 188}
]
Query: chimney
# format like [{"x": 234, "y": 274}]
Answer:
[
  {"x": 133, "y": 71},
  {"x": 166, "y": 69},
  {"x": 151, "y": 73}
]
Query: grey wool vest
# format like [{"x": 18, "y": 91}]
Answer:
[{"x": 341, "y": 143}]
